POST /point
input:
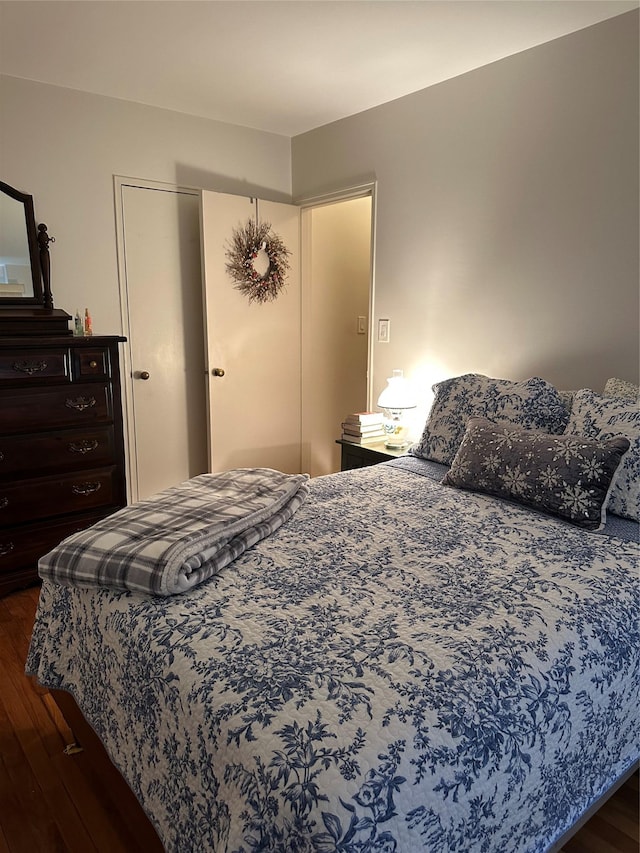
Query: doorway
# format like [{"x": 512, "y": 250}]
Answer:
[{"x": 337, "y": 292}]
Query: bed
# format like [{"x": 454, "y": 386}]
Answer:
[{"x": 405, "y": 664}]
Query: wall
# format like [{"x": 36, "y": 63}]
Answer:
[
  {"x": 507, "y": 214},
  {"x": 64, "y": 147}
]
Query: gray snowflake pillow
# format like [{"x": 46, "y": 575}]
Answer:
[
  {"x": 534, "y": 404},
  {"x": 599, "y": 417},
  {"x": 567, "y": 476}
]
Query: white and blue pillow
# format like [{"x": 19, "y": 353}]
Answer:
[
  {"x": 532, "y": 404},
  {"x": 615, "y": 387},
  {"x": 602, "y": 418}
]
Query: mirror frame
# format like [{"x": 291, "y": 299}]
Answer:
[{"x": 38, "y": 297}]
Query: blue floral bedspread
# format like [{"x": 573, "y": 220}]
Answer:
[{"x": 401, "y": 667}]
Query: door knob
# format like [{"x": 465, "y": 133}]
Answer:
[
  {"x": 144, "y": 374},
  {"x": 217, "y": 371}
]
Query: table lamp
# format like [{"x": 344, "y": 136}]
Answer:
[{"x": 394, "y": 401}]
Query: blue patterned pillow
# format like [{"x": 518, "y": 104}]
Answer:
[
  {"x": 621, "y": 388},
  {"x": 605, "y": 417},
  {"x": 562, "y": 475},
  {"x": 534, "y": 404}
]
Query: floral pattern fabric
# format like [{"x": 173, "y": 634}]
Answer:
[
  {"x": 602, "y": 418},
  {"x": 533, "y": 404},
  {"x": 565, "y": 475},
  {"x": 401, "y": 667}
]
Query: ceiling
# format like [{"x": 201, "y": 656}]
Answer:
[{"x": 284, "y": 66}]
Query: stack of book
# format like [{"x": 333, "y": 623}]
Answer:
[{"x": 363, "y": 427}]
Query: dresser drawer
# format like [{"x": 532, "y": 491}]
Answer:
[
  {"x": 21, "y": 549},
  {"x": 71, "y": 448},
  {"x": 91, "y": 363},
  {"x": 29, "y": 409},
  {"x": 45, "y": 497},
  {"x": 31, "y": 365}
]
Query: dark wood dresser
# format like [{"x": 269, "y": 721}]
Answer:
[{"x": 62, "y": 463}]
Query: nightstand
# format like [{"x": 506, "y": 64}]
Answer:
[{"x": 356, "y": 455}]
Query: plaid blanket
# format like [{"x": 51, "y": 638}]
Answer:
[{"x": 180, "y": 537}]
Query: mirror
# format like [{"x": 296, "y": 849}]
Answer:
[{"x": 20, "y": 268}]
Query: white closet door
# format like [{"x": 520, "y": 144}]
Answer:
[
  {"x": 167, "y": 424},
  {"x": 255, "y": 407}
]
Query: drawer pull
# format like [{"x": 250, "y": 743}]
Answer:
[
  {"x": 81, "y": 403},
  {"x": 30, "y": 367},
  {"x": 5, "y": 548},
  {"x": 84, "y": 446},
  {"x": 85, "y": 488},
  {"x": 4, "y": 502},
  {"x": 1, "y": 456},
  {"x": 93, "y": 364}
]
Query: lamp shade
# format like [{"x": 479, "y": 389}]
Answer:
[{"x": 398, "y": 394}]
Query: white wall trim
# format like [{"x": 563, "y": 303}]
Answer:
[{"x": 346, "y": 194}]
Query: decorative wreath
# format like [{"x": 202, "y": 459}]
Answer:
[{"x": 246, "y": 244}]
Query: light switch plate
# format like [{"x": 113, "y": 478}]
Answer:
[
  {"x": 384, "y": 331},
  {"x": 362, "y": 325}
]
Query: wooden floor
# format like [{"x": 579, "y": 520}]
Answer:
[{"x": 51, "y": 802}]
